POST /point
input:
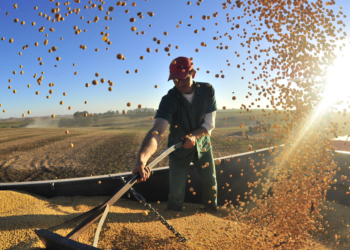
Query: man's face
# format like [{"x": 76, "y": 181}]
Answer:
[{"x": 185, "y": 86}]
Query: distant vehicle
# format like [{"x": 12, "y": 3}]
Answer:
[{"x": 258, "y": 125}]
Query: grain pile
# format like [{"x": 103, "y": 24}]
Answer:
[{"x": 126, "y": 227}]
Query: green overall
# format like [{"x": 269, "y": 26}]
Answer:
[{"x": 184, "y": 118}]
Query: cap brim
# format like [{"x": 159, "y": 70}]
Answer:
[{"x": 178, "y": 75}]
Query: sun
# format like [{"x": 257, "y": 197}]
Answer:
[{"x": 337, "y": 83}]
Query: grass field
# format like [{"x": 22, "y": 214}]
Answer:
[{"x": 41, "y": 153}]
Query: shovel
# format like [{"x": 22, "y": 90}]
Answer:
[{"x": 55, "y": 241}]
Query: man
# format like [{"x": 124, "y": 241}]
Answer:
[{"x": 190, "y": 109}]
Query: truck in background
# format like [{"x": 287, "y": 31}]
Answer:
[{"x": 259, "y": 125}]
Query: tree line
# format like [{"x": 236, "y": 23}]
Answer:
[{"x": 86, "y": 119}]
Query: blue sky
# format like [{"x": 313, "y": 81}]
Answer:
[{"x": 137, "y": 88}]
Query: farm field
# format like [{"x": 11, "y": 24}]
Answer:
[
  {"x": 43, "y": 153},
  {"x": 37, "y": 149}
]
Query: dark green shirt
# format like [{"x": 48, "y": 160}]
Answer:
[{"x": 184, "y": 118}]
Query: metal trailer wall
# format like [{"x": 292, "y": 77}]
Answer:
[
  {"x": 157, "y": 186},
  {"x": 342, "y": 158}
]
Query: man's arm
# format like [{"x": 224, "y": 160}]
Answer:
[
  {"x": 199, "y": 133},
  {"x": 204, "y": 129},
  {"x": 190, "y": 139},
  {"x": 149, "y": 147},
  {"x": 209, "y": 122},
  {"x": 150, "y": 142}
]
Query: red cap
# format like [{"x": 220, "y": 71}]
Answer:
[{"x": 180, "y": 67}]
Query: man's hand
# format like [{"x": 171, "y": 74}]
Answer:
[
  {"x": 144, "y": 171},
  {"x": 189, "y": 142}
]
